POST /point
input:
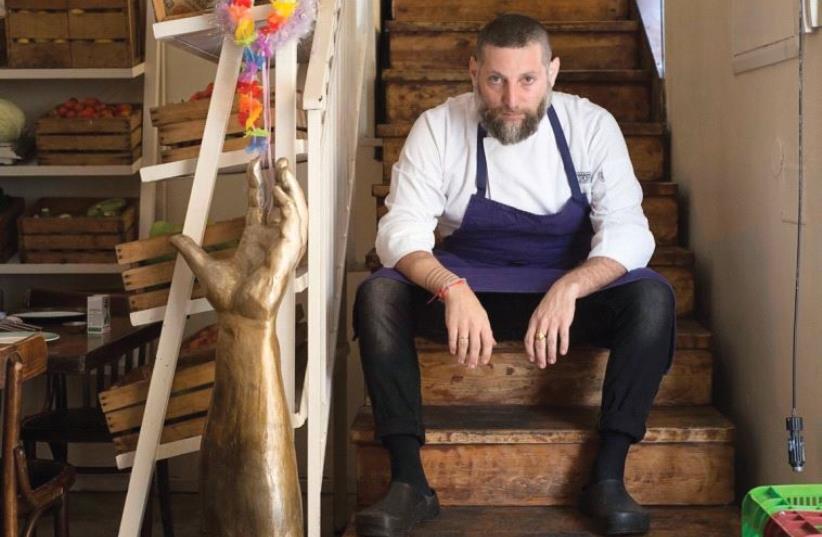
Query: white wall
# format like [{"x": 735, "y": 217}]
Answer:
[{"x": 734, "y": 153}]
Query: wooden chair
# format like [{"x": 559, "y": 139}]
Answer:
[
  {"x": 30, "y": 486},
  {"x": 58, "y": 425}
]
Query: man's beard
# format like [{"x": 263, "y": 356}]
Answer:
[{"x": 510, "y": 132}]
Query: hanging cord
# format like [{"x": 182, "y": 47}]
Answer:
[{"x": 794, "y": 424}]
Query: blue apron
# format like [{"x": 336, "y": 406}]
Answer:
[{"x": 502, "y": 249}]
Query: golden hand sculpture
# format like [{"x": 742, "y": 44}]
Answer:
[{"x": 248, "y": 480}]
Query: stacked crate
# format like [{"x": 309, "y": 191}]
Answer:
[
  {"x": 180, "y": 128},
  {"x": 100, "y": 141},
  {"x": 74, "y": 33},
  {"x": 783, "y": 511},
  {"x": 64, "y": 234}
]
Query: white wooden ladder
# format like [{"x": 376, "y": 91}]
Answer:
[{"x": 343, "y": 36}]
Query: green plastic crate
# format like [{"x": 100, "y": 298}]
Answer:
[{"x": 760, "y": 503}]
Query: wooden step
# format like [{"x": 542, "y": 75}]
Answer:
[
  {"x": 485, "y": 10},
  {"x": 576, "y": 379},
  {"x": 579, "y": 45},
  {"x": 625, "y": 93},
  {"x": 569, "y": 522},
  {"x": 660, "y": 204},
  {"x": 673, "y": 262},
  {"x": 542, "y": 456},
  {"x": 647, "y": 143}
]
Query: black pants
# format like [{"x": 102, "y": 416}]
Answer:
[{"x": 635, "y": 321}]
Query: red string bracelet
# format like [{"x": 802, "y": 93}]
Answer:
[{"x": 444, "y": 289}]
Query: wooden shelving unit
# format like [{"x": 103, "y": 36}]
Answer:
[
  {"x": 73, "y": 74},
  {"x": 14, "y": 266},
  {"x": 148, "y": 75},
  {"x": 37, "y": 170}
]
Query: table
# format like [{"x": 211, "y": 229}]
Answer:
[{"x": 79, "y": 353}]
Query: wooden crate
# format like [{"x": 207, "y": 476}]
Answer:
[
  {"x": 176, "y": 9},
  {"x": 151, "y": 263},
  {"x": 75, "y": 33},
  {"x": 79, "y": 239},
  {"x": 37, "y": 34},
  {"x": 124, "y": 403},
  {"x": 97, "y": 141},
  {"x": 106, "y": 33},
  {"x": 3, "y": 44},
  {"x": 8, "y": 227},
  {"x": 180, "y": 128}
]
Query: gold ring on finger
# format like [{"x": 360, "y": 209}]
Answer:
[
  {"x": 540, "y": 337},
  {"x": 463, "y": 339}
]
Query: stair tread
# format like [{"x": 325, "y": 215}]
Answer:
[
  {"x": 476, "y": 26},
  {"x": 629, "y": 128},
  {"x": 649, "y": 188},
  {"x": 461, "y": 75},
  {"x": 546, "y": 425},
  {"x": 460, "y": 521}
]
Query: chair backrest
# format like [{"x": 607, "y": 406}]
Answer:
[{"x": 19, "y": 362}]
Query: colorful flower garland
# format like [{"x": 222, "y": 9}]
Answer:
[{"x": 289, "y": 19}]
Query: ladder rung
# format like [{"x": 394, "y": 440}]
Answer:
[
  {"x": 201, "y": 305},
  {"x": 185, "y": 168},
  {"x": 164, "y": 451}
]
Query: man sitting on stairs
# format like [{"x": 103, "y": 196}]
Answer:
[{"x": 543, "y": 240}]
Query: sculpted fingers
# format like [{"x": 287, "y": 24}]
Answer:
[
  {"x": 197, "y": 258},
  {"x": 291, "y": 186},
  {"x": 254, "y": 181}
]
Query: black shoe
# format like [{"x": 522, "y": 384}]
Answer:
[
  {"x": 397, "y": 513},
  {"x": 613, "y": 507}
]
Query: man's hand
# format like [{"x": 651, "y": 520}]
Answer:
[
  {"x": 550, "y": 324},
  {"x": 469, "y": 330}
]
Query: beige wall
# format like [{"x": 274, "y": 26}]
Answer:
[{"x": 734, "y": 153}]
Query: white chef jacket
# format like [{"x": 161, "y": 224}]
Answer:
[{"x": 435, "y": 176}]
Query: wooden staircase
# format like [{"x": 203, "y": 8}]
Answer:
[{"x": 510, "y": 445}]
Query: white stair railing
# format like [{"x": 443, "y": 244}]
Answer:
[{"x": 332, "y": 98}]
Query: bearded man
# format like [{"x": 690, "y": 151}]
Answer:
[{"x": 543, "y": 239}]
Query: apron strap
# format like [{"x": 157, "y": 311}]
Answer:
[
  {"x": 482, "y": 164},
  {"x": 562, "y": 146},
  {"x": 565, "y": 153}
]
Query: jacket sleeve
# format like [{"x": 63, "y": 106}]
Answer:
[
  {"x": 621, "y": 229},
  {"x": 416, "y": 198}
]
